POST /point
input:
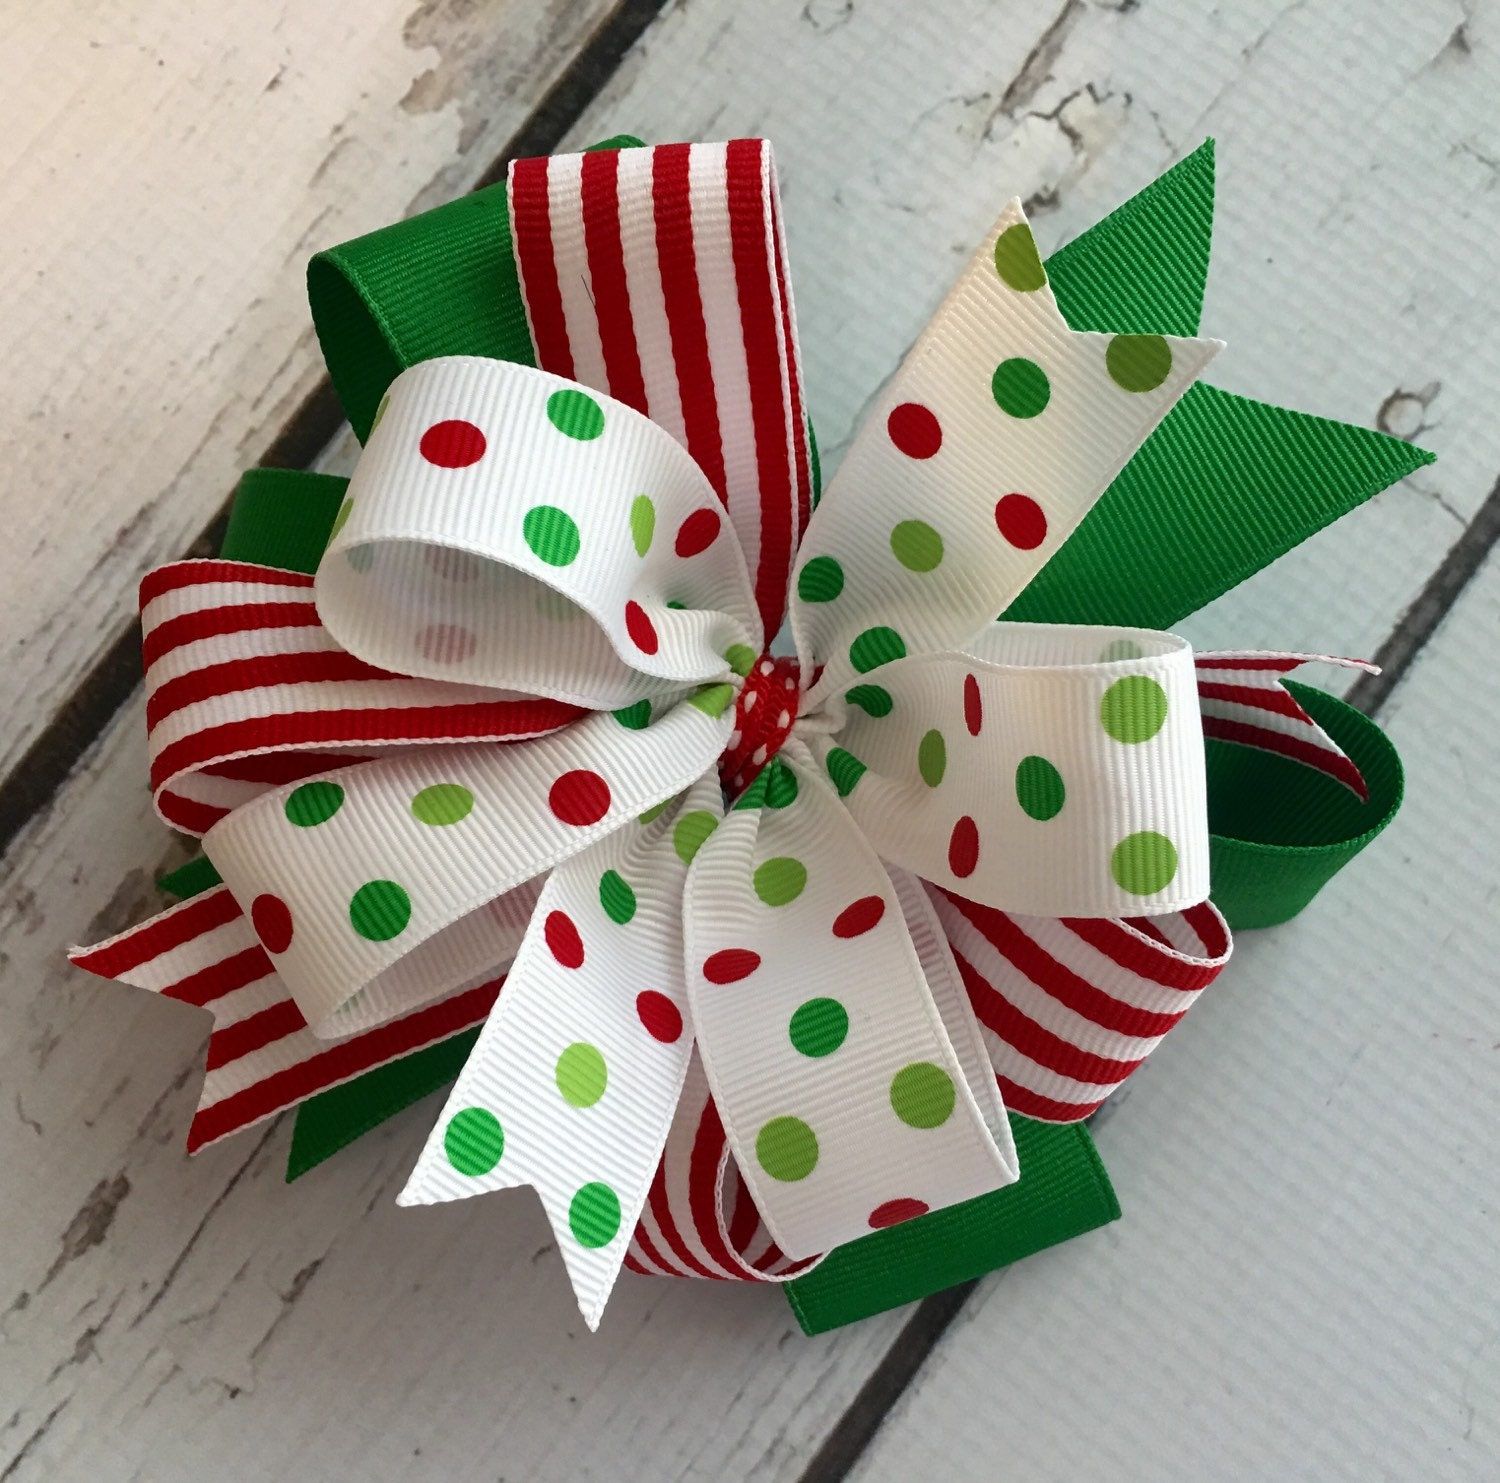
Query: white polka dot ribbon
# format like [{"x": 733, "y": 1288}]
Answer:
[
  {"x": 370, "y": 888},
  {"x": 1051, "y": 770},
  {"x": 834, "y": 1028},
  {"x": 577, "y": 1073},
  {"x": 504, "y": 527},
  {"x": 978, "y": 460}
]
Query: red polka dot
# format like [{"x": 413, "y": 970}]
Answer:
[
  {"x": 1021, "y": 521},
  {"x": 579, "y": 797},
  {"x": 662, "y": 1018},
  {"x": 963, "y": 847},
  {"x": 914, "y": 430},
  {"x": 893, "y": 1212},
  {"x": 639, "y": 627},
  {"x": 973, "y": 705},
  {"x": 452, "y": 445},
  {"x": 698, "y": 532},
  {"x": 272, "y": 920},
  {"x": 730, "y": 965},
  {"x": 563, "y": 940},
  {"x": 858, "y": 918}
]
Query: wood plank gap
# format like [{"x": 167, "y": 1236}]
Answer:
[
  {"x": 111, "y": 681},
  {"x": 847, "y": 1441},
  {"x": 1420, "y": 621}
]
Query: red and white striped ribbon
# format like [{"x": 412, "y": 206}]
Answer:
[
  {"x": 262, "y": 1058},
  {"x": 699, "y": 1220},
  {"x": 659, "y": 276},
  {"x": 1243, "y": 700},
  {"x": 1071, "y": 1006},
  {"x": 245, "y": 690}
]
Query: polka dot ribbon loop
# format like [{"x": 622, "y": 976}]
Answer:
[
  {"x": 374, "y": 889},
  {"x": 1056, "y": 770},
  {"x": 834, "y": 1028},
  {"x": 577, "y": 1073},
  {"x": 978, "y": 460},
  {"x": 508, "y": 528}
]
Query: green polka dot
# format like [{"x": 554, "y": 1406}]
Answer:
[
  {"x": 923, "y": 1095},
  {"x": 676, "y": 607},
  {"x": 1021, "y": 387},
  {"x": 1117, "y": 649},
  {"x": 575, "y": 413},
  {"x": 1144, "y": 863},
  {"x": 442, "y": 803},
  {"x": 474, "y": 1140},
  {"x": 1138, "y": 362},
  {"x": 690, "y": 831},
  {"x": 775, "y": 786},
  {"x": 1017, "y": 261},
  {"x": 932, "y": 758},
  {"x": 385, "y": 402},
  {"x": 845, "y": 769},
  {"x": 1133, "y": 709},
  {"x": 1039, "y": 788},
  {"x": 713, "y": 700},
  {"x": 616, "y": 897},
  {"x": 380, "y": 910},
  {"x": 779, "y": 880},
  {"x": 740, "y": 658},
  {"x": 874, "y": 647},
  {"x": 313, "y": 803},
  {"x": 594, "y": 1215},
  {"x": 634, "y": 717},
  {"x": 873, "y": 700},
  {"x": 551, "y": 533},
  {"x": 581, "y": 1074},
  {"x": 642, "y": 523},
  {"x": 655, "y": 812},
  {"x": 341, "y": 520},
  {"x": 916, "y": 545},
  {"x": 787, "y": 1149},
  {"x": 821, "y": 580},
  {"x": 818, "y": 1027},
  {"x": 781, "y": 786}
]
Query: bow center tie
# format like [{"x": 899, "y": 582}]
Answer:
[{"x": 764, "y": 715}]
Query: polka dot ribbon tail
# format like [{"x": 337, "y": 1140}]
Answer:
[{"x": 764, "y": 949}]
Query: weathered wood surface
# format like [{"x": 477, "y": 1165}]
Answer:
[{"x": 166, "y": 1319}]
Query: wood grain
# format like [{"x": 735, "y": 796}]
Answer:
[{"x": 167, "y": 1319}]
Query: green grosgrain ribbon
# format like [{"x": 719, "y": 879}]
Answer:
[{"x": 1227, "y": 483}]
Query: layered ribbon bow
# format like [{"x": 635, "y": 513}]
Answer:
[{"x": 807, "y": 921}]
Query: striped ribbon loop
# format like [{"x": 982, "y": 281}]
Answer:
[
  {"x": 659, "y": 275},
  {"x": 247, "y": 690}
]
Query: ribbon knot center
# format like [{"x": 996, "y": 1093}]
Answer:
[{"x": 764, "y": 715}]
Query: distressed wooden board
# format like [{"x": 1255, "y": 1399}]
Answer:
[
  {"x": 199, "y": 1318},
  {"x": 165, "y": 171},
  {"x": 1302, "y": 1286}
]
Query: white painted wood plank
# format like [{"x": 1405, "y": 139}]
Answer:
[
  {"x": 166, "y": 169},
  {"x": 1302, "y": 1286},
  {"x": 303, "y": 1318}
]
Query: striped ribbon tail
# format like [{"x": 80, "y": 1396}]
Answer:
[
  {"x": 659, "y": 275},
  {"x": 1243, "y": 701},
  {"x": 1070, "y": 1006},
  {"x": 699, "y": 1219},
  {"x": 262, "y": 1058},
  {"x": 247, "y": 690}
]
